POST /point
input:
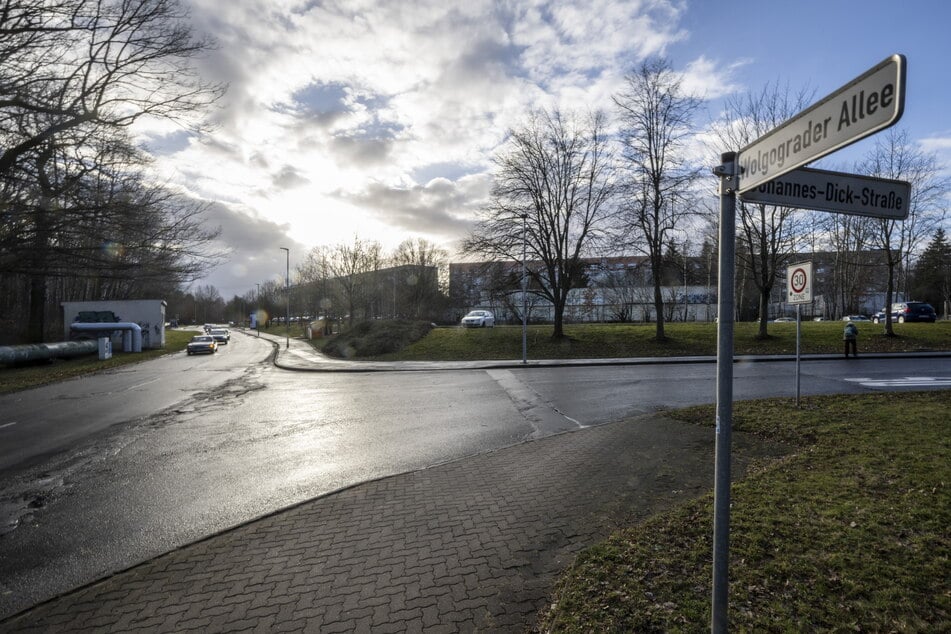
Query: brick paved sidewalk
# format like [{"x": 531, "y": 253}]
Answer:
[{"x": 472, "y": 545}]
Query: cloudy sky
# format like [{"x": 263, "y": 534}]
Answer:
[{"x": 379, "y": 118}]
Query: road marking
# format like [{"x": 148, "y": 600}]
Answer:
[
  {"x": 908, "y": 381},
  {"x": 141, "y": 384},
  {"x": 541, "y": 414},
  {"x": 7, "y": 425}
]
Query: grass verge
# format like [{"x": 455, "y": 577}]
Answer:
[
  {"x": 24, "y": 377},
  {"x": 848, "y": 533},
  {"x": 605, "y": 341}
]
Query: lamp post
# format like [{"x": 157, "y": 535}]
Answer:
[
  {"x": 287, "y": 297},
  {"x": 524, "y": 293},
  {"x": 686, "y": 307},
  {"x": 257, "y": 309}
]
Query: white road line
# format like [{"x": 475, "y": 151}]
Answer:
[
  {"x": 141, "y": 384},
  {"x": 907, "y": 381}
]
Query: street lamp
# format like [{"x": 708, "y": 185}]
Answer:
[
  {"x": 524, "y": 296},
  {"x": 686, "y": 307},
  {"x": 257, "y": 309},
  {"x": 287, "y": 296}
]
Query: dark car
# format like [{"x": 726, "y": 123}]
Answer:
[
  {"x": 908, "y": 311},
  {"x": 914, "y": 311}
]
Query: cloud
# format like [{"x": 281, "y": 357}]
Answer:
[
  {"x": 253, "y": 244},
  {"x": 382, "y": 116},
  {"x": 289, "y": 177},
  {"x": 440, "y": 207},
  {"x": 709, "y": 80},
  {"x": 936, "y": 144}
]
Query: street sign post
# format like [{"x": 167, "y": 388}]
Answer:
[
  {"x": 838, "y": 192},
  {"x": 870, "y": 103},
  {"x": 799, "y": 292}
]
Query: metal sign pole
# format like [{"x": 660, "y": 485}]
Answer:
[
  {"x": 798, "y": 347},
  {"x": 724, "y": 422}
]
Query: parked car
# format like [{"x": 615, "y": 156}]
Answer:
[
  {"x": 221, "y": 335},
  {"x": 908, "y": 311},
  {"x": 784, "y": 320},
  {"x": 479, "y": 319},
  {"x": 96, "y": 317},
  {"x": 855, "y": 318},
  {"x": 202, "y": 344},
  {"x": 913, "y": 311}
]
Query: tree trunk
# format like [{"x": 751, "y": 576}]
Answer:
[
  {"x": 558, "y": 332},
  {"x": 763, "y": 312},
  {"x": 889, "y": 292},
  {"x": 657, "y": 272}
]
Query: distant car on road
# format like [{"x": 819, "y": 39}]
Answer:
[
  {"x": 478, "y": 319},
  {"x": 202, "y": 344},
  {"x": 855, "y": 318},
  {"x": 783, "y": 320},
  {"x": 221, "y": 335}
]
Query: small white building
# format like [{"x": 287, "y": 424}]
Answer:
[{"x": 149, "y": 314}]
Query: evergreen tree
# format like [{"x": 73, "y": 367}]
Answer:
[{"x": 932, "y": 276}]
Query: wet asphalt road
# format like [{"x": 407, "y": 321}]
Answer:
[{"x": 230, "y": 438}]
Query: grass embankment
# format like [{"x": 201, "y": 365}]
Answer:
[
  {"x": 604, "y": 341},
  {"x": 24, "y": 377},
  {"x": 848, "y": 533}
]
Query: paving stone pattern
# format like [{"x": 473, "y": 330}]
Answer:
[{"x": 471, "y": 545}]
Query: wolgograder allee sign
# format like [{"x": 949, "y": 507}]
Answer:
[{"x": 868, "y": 104}]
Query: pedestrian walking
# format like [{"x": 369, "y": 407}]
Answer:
[{"x": 850, "y": 336}]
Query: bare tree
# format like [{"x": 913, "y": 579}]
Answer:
[
  {"x": 318, "y": 290},
  {"x": 769, "y": 234},
  {"x": 895, "y": 157},
  {"x": 352, "y": 267},
  {"x": 555, "y": 178},
  {"x": 850, "y": 238},
  {"x": 98, "y": 221},
  {"x": 73, "y": 75},
  {"x": 656, "y": 118},
  {"x": 416, "y": 284},
  {"x": 89, "y": 64}
]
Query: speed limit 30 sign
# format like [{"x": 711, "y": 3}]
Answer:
[{"x": 799, "y": 283}]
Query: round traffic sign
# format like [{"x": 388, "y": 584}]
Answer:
[{"x": 799, "y": 280}]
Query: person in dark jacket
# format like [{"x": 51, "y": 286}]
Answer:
[{"x": 850, "y": 336}]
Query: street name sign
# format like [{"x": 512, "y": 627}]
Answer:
[
  {"x": 806, "y": 188},
  {"x": 799, "y": 283},
  {"x": 872, "y": 102}
]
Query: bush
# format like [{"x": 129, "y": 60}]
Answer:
[{"x": 373, "y": 338}]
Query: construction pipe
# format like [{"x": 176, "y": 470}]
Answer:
[
  {"x": 131, "y": 337},
  {"x": 43, "y": 351}
]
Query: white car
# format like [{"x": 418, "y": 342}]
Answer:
[
  {"x": 479, "y": 319},
  {"x": 221, "y": 335}
]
